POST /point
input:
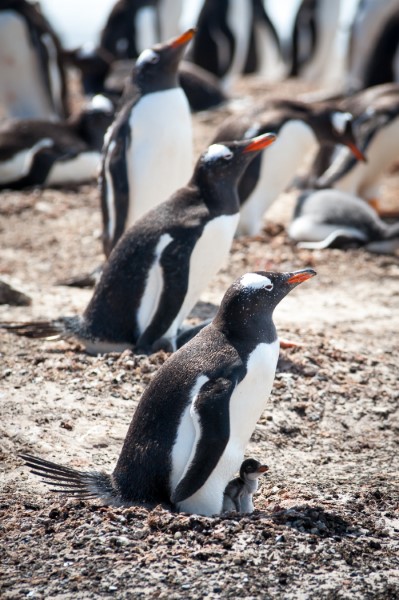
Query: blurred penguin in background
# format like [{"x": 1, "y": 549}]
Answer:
[
  {"x": 374, "y": 44},
  {"x": 32, "y": 75}
]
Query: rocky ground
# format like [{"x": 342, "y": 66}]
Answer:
[{"x": 326, "y": 523}]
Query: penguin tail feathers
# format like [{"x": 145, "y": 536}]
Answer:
[
  {"x": 59, "y": 328},
  {"x": 35, "y": 329},
  {"x": 71, "y": 482},
  {"x": 392, "y": 231}
]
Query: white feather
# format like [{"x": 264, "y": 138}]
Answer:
[
  {"x": 83, "y": 167},
  {"x": 20, "y": 164},
  {"x": 159, "y": 160},
  {"x": 246, "y": 406},
  {"x": 279, "y": 163}
]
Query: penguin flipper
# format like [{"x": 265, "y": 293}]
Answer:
[{"x": 210, "y": 413}]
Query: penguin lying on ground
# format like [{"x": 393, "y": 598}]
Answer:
[
  {"x": 189, "y": 432},
  {"x": 32, "y": 72},
  {"x": 325, "y": 218},
  {"x": 239, "y": 492},
  {"x": 159, "y": 268},
  {"x": 46, "y": 153},
  {"x": 299, "y": 126},
  {"x": 148, "y": 149}
]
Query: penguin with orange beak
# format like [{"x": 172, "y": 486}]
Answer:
[{"x": 148, "y": 151}]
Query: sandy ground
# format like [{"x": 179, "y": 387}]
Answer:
[{"x": 326, "y": 523}]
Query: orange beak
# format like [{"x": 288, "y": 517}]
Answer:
[
  {"x": 301, "y": 276},
  {"x": 263, "y": 469},
  {"x": 357, "y": 153},
  {"x": 184, "y": 38},
  {"x": 260, "y": 142}
]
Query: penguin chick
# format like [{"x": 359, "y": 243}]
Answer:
[
  {"x": 189, "y": 432},
  {"x": 160, "y": 267},
  {"x": 148, "y": 149},
  {"x": 239, "y": 491},
  {"x": 324, "y": 218}
]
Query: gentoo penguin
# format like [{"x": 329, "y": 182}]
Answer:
[
  {"x": 373, "y": 56},
  {"x": 377, "y": 129},
  {"x": 148, "y": 150},
  {"x": 324, "y": 218},
  {"x": 314, "y": 34},
  {"x": 134, "y": 25},
  {"x": 34, "y": 152},
  {"x": 239, "y": 491},
  {"x": 300, "y": 127},
  {"x": 159, "y": 268},
  {"x": 222, "y": 42},
  {"x": 189, "y": 432},
  {"x": 264, "y": 55},
  {"x": 32, "y": 73}
]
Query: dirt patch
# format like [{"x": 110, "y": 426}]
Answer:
[{"x": 327, "y": 520}]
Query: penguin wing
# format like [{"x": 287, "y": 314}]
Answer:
[
  {"x": 114, "y": 186},
  {"x": 210, "y": 413}
]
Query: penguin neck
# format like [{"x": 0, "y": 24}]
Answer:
[
  {"x": 244, "y": 331},
  {"x": 220, "y": 195},
  {"x": 163, "y": 82}
]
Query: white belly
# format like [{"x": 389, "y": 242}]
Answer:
[
  {"x": 382, "y": 152},
  {"x": 22, "y": 91},
  {"x": 246, "y": 406},
  {"x": 209, "y": 254},
  {"x": 20, "y": 164},
  {"x": 83, "y": 167},
  {"x": 279, "y": 164},
  {"x": 160, "y": 157}
]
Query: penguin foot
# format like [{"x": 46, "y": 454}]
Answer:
[
  {"x": 284, "y": 343},
  {"x": 85, "y": 280}
]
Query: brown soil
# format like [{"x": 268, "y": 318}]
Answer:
[{"x": 327, "y": 520}]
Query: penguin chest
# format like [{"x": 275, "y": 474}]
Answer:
[
  {"x": 22, "y": 93},
  {"x": 249, "y": 397},
  {"x": 279, "y": 164},
  {"x": 208, "y": 255},
  {"x": 159, "y": 158},
  {"x": 246, "y": 405}
]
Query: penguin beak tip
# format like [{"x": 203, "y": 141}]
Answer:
[
  {"x": 357, "y": 153},
  {"x": 301, "y": 276},
  {"x": 260, "y": 142}
]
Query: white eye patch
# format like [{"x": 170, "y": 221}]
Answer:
[
  {"x": 339, "y": 121},
  {"x": 147, "y": 56},
  {"x": 217, "y": 151},
  {"x": 254, "y": 281}
]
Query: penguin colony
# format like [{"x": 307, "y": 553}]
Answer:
[{"x": 168, "y": 226}]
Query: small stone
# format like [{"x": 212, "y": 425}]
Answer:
[
  {"x": 122, "y": 541},
  {"x": 280, "y": 539},
  {"x": 177, "y": 535}
]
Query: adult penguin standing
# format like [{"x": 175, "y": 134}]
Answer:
[
  {"x": 189, "y": 432},
  {"x": 160, "y": 267},
  {"x": 148, "y": 150}
]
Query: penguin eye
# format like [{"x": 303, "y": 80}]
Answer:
[
  {"x": 227, "y": 156},
  {"x": 269, "y": 287},
  {"x": 154, "y": 59}
]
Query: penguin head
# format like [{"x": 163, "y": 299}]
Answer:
[
  {"x": 247, "y": 307},
  {"x": 226, "y": 161},
  {"x": 156, "y": 68},
  {"x": 336, "y": 127},
  {"x": 252, "y": 469}
]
